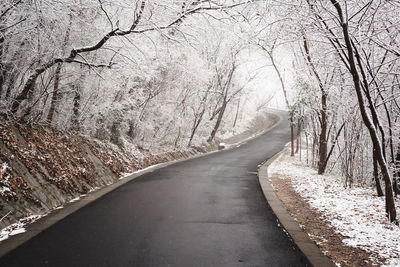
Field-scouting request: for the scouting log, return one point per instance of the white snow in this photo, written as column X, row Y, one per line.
column 94, row 189
column 354, row 212
column 75, row 199
column 4, row 189
column 5, row 179
column 17, row 231
column 18, row 227
column 4, row 167
column 124, row 175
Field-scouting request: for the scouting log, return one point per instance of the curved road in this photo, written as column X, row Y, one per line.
column 208, row 211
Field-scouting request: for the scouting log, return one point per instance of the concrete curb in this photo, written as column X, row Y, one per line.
column 299, row 236
column 54, row 216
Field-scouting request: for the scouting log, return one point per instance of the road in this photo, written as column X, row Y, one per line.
column 207, row 211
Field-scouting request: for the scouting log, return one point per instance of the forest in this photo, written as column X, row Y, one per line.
column 165, row 74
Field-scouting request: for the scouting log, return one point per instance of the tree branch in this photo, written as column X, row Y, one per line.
column 9, row 8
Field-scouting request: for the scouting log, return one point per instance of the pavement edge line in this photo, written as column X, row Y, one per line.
column 298, row 235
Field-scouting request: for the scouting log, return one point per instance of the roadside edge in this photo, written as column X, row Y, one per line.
column 57, row 215
column 298, row 235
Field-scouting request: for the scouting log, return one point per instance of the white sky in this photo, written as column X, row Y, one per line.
column 266, row 83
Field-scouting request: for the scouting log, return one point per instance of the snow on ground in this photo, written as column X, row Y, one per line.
column 124, row 175
column 18, row 227
column 356, row 212
column 4, row 178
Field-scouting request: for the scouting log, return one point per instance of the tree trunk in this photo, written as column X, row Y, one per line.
column 323, row 142
column 332, row 147
column 75, row 123
column 396, row 177
column 314, row 142
column 306, row 148
column 291, row 138
column 298, row 136
column 225, row 90
column 196, row 124
column 2, row 66
column 30, row 84
column 237, row 114
column 389, row 200
column 271, row 56
column 218, row 123
column 55, row 96
column 376, row 174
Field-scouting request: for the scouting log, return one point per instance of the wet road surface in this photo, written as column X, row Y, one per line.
column 208, row 211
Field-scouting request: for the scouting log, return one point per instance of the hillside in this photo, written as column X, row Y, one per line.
column 42, row 168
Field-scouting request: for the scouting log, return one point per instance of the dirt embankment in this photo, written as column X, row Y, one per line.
column 41, row 168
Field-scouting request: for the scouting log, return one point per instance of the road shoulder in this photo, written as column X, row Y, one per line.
column 300, row 238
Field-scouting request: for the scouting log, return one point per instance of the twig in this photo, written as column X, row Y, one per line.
column 2, row 218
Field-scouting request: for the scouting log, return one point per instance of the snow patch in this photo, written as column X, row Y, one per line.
column 4, row 167
column 4, row 189
column 78, row 198
column 124, row 175
column 18, row 227
column 356, row 213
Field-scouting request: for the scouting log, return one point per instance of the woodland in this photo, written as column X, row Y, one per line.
column 167, row 74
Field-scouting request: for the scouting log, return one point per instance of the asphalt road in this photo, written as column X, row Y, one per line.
column 208, row 211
